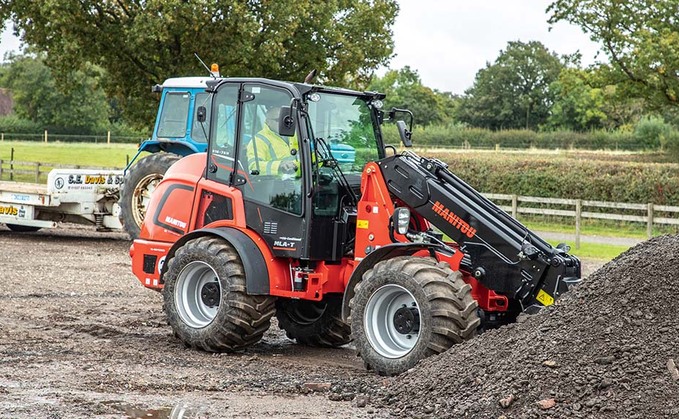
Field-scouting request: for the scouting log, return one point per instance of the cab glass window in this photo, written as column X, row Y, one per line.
column 174, row 115
column 198, row 130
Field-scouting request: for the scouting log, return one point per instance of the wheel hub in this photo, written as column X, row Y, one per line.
column 209, row 294
column 197, row 294
column 407, row 320
column 392, row 321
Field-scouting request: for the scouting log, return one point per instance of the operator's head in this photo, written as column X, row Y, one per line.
column 272, row 118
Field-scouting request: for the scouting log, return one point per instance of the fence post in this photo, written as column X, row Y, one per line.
column 578, row 217
column 515, row 206
column 37, row 172
column 649, row 221
column 45, row 135
column 2, row 137
column 11, row 164
column 1, row 162
column 108, row 138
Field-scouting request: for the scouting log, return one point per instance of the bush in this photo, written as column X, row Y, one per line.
column 652, row 132
column 648, row 136
column 554, row 177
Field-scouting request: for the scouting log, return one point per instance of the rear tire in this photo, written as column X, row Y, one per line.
column 408, row 308
column 205, row 298
column 135, row 193
column 314, row 323
column 22, row 228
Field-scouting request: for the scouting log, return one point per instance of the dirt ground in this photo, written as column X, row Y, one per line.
column 80, row 337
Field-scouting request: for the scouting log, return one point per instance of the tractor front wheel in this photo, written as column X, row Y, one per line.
column 141, row 180
column 205, row 298
column 408, row 308
column 314, row 323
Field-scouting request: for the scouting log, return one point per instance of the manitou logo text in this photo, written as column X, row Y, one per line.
column 453, row 219
column 175, row 222
column 11, row 210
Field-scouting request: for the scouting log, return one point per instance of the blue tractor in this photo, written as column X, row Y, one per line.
column 176, row 134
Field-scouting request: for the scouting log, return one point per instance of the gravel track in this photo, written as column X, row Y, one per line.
column 80, row 337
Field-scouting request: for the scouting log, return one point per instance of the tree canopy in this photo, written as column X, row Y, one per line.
column 404, row 89
column 514, row 91
column 142, row 42
column 81, row 108
column 641, row 39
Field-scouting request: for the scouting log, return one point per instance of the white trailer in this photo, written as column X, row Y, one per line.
column 81, row 196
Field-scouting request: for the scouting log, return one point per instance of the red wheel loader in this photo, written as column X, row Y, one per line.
column 340, row 237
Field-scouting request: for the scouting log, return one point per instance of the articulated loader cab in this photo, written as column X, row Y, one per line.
column 334, row 237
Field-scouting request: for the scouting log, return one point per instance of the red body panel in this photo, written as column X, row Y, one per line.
column 181, row 200
column 178, row 206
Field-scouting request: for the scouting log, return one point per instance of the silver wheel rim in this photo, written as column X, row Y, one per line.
column 191, row 305
column 378, row 321
column 142, row 196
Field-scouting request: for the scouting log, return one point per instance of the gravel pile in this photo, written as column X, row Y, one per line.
column 608, row 349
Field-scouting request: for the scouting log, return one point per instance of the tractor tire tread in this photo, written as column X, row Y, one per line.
column 241, row 320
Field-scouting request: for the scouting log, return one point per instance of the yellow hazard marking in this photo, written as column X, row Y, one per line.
column 544, row 298
column 361, row 223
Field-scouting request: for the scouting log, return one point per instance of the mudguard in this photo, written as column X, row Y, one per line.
column 385, row 252
column 256, row 271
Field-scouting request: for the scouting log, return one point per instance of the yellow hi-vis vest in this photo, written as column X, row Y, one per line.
column 268, row 150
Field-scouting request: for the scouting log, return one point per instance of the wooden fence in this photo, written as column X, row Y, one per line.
column 577, row 208
column 648, row 213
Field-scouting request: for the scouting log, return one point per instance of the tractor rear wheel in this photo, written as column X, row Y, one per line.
column 408, row 308
column 141, row 180
column 314, row 323
column 205, row 298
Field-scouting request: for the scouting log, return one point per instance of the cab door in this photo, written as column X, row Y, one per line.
column 272, row 183
column 247, row 153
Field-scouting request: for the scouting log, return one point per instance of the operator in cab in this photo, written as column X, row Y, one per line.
column 271, row 154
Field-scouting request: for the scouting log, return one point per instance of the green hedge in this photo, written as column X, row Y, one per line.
column 599, row 180
column 478, row 138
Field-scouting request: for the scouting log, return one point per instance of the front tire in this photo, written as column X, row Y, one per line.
column 135, row 193
column 314, row 323
column 205, row 298
column 408, row 308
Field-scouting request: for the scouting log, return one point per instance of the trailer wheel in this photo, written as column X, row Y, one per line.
column 18, row 228
column 205, row 298
column 408, row 308
column 314, row 323
column 135, row 193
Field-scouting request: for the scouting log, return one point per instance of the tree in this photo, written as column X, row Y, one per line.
column 513, row 92
column 404, row 89
column 141, row 42
column 640, row 38
column 577, row 105
column 81, row 105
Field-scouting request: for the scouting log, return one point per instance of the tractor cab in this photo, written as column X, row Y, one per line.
column 296, row 153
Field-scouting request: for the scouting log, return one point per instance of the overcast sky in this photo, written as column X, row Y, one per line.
column 448, row 41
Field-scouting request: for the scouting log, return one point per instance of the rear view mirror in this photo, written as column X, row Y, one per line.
column 286, row 122
column 404, row 133
column 201, row 114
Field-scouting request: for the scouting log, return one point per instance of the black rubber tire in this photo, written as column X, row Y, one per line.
column 447, row 311
column 22, row 229
column 148, row 171
column 314, row 323
column 240, row 319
